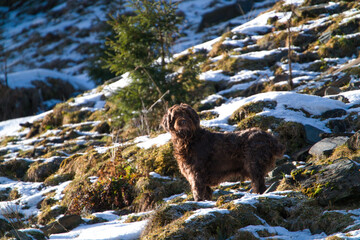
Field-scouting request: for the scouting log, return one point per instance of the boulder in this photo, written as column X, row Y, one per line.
column 333, row 113
column 335, row 183
column 63, row 224
column 339, row 125
column 326, row 146
column 279, row 171
column 312, row 134
column 332, row 90
column 354, row 141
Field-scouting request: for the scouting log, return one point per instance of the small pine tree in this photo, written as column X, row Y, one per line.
column 141, row 46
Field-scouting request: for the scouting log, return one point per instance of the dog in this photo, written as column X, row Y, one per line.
column 207, row 158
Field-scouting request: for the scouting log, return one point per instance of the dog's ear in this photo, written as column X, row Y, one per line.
column 192, row 113
column 167, row 118
column 165, row 122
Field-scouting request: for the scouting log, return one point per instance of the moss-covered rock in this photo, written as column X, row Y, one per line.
column 150, row 191
column 250, row 109
column 339, row 47
column 16, row 168
column 177, row 221
column 155, row 159
column 333, row 183
column 39, row 171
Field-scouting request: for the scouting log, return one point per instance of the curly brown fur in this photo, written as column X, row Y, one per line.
column 208, row 158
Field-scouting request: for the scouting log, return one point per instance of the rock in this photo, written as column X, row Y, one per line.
column 224, row 13
column 272, row 187
column 312, row 134
column 71, row 135
column 332, row 91
column 326, row 146
column 354, row 142
column 333, row 113
column 279, row 171
column 330, row 184
column 14, row 168
column 38, row 172
column 20, row 235
column 302, row 154
column 340, row 98
column 339, row 125
column 102, row 127
column 34, row 130
column 63, row 224
column 4, row 227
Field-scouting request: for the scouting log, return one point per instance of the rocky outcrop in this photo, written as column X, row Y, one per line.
column 334, row 183
column 326, row 146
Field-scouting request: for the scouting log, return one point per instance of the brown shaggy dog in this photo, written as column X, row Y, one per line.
column 208, row 158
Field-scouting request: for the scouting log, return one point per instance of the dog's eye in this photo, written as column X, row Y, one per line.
column 183, row 122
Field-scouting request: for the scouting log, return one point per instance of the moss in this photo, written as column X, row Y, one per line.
column 249, row 109
column 155, row 159
column 173, row 222
column 39, row 171
column 228, row 64
column 49, row 214
column 338, row 47
column 208, row 115
column 75, row 116
column 219, row 48
column 14, row 194
column 136, row 218
column 344, row 151
column 260, row 121
column 315, row 189
column 15, row 169
column 8, row 139
column 299, row 174
column 56, row 179
column 271, row 40
column 151, row 192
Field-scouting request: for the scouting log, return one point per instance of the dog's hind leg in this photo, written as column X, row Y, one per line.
column 258, row 183
column 208, row 193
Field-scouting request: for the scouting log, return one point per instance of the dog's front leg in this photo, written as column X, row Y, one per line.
column 198, row 188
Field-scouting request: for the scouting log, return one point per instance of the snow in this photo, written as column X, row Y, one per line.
column 206, row 211
column 282, row 233
column 146, row 142
column 213, row 75
column 24, row 79
column 12, row 127
column 111, row 230
column 285, row 102
column 156, row 175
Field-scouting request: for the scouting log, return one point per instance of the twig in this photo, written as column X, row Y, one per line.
column 159, row 100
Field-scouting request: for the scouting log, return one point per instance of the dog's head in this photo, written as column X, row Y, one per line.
column 181, row 120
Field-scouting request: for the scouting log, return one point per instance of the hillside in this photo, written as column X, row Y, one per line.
column 66, row 174
column 53, row 48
